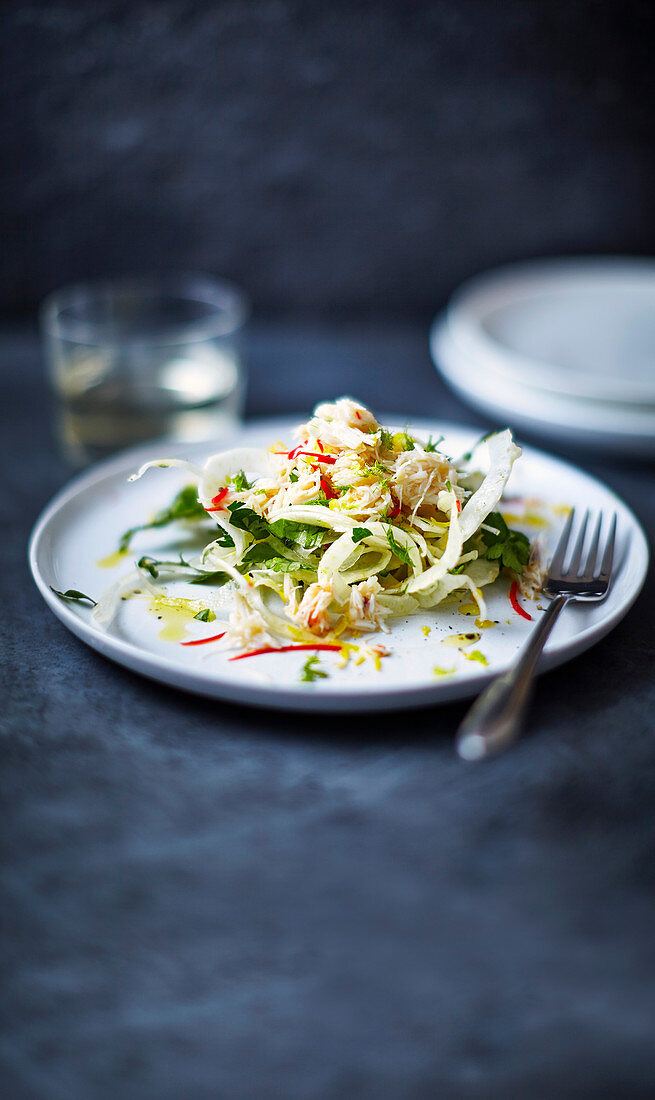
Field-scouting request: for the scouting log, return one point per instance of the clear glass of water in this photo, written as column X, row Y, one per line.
column 144, row 358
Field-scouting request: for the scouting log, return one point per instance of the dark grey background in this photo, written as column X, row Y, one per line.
column 334, row 158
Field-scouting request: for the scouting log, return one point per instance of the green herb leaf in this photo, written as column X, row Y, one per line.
column 246, row 519
column 185, row 505
column 150, row 566
column 216, row 578
column 224, row 539
column 510, row 547
column 399, row 551
column 377, row 470
column 434, row 446
column 240, row 482
column 283, row 565
column 293, row 476
column 307, row 535
column 386, row 440
column 311, row 671
column 259, row 552
column 205, row 616
column 408, row 442
column 73, row 596
column 359, row 533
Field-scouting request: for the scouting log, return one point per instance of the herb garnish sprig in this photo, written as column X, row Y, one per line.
column 310, row 671
column 185, row 505
column 512, row 548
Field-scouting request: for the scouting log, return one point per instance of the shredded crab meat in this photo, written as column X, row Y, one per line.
column 533, row 576
column 420, row 476
column 344, row 424
column 313, row 610
column 246, row 629
column 364, row 613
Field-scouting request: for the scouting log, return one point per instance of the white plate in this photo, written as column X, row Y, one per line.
column 579, row 327
column 84, row 522
column 609, row 426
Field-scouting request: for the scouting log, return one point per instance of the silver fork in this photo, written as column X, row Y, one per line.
column 496, row 718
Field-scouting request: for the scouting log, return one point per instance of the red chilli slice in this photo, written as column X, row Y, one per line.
column 513, row 599
column 328, row 459
column 217, row 500
column 283, row 649
column 330, row 493
column 203, row 641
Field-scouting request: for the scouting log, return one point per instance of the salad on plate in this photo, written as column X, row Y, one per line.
column 352, row 528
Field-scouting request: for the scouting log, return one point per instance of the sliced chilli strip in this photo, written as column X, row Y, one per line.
column 330, row 493
column 329, row 459
column 217, row 501
column 285, row 649
column 513, row 599
column 395, row 511
column 203, row 641
column 299, row 450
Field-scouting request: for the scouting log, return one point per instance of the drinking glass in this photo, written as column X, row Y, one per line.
column 144, row 358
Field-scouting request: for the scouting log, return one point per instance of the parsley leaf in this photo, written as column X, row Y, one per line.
column 307, row 535
column 511, row 548
column 205, row 616
column 224, row 539
column 359, row 533
column 246, row 519
column 283, row 565
column 215, row 577
column 240, row 482
column 293, row 476
column 185, row 505
column 73, row 596
column 150, row 566
column 261, row 551
column 400, row 551
column 311, row 671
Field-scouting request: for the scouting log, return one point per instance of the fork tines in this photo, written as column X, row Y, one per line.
column 589, row 570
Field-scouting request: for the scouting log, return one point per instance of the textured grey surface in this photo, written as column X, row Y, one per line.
column 205, row 901
column 330, row 157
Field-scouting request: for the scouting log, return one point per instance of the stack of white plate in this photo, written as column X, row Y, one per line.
column 561, row 348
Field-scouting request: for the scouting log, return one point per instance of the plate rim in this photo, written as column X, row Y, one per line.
column 153, row 666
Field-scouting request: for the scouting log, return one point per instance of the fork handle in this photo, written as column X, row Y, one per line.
column 496, row 718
